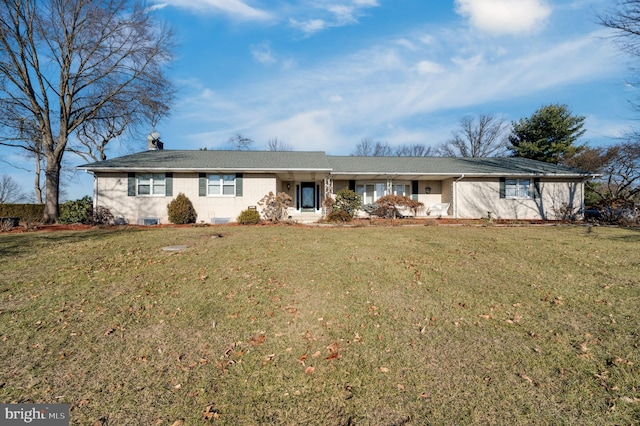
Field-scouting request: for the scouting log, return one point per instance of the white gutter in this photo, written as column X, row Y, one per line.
column 455, row 196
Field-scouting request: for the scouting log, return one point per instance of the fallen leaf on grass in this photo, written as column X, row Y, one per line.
column 334, row 351
column 268, row 358
column 309, row 370
column 210, row 413
column 316, row 354
column 257, row 341
column 527, row 378
column 516, row 318
column 384, row 369
column 334, row 355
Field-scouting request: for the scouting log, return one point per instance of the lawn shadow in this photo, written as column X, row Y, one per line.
column 20, row 244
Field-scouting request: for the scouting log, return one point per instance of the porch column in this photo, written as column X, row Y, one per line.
column 328, row 192
column 389, row 186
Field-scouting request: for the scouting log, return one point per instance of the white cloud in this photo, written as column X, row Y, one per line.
column 406, row 44
column 366, row 3
column 468, row 63
column 262, row 53
column 505, row 16
column 309, row 130
column 330, row 14
column 237, row 9
column 428, row 67
column 310, row 26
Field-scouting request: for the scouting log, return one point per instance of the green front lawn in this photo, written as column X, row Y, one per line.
column 328, row 326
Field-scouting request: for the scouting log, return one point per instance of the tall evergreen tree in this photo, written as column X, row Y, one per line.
column 550, row 134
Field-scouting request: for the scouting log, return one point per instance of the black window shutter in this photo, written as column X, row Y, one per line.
column 239, row 183
column 202, row 184
column 352, row 185
column 168, row 182
column 502, row 185
column 131, row 184
column 317, row 197
column 414, row 190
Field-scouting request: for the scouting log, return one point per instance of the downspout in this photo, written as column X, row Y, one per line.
column 455, row 196
column 95, row 190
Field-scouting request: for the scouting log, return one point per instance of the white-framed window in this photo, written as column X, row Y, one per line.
column 370, row 192
column 518, row 188
column 402, row 189
column 151, row 184
column 221, row 185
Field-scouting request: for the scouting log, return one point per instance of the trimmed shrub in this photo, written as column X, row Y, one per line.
column 102, row 216
column 347, row 201
column 181, row 210
column 78, row 211
column 339, row 216
column 31, row 212
column 249, row 217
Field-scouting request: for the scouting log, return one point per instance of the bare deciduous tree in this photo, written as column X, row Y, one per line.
column 277, row 145
column 415, row 150
column 240, row 143
column 10, row 191
column 67, row 63
column 481, row 137
column 369, row 148
column 621, row 172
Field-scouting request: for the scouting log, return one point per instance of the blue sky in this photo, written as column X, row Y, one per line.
column 325, row 74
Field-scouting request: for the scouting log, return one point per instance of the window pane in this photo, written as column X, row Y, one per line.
column 523, row 188
column 158, row 184
column 214, row 185
column 381, row 189
column 510, row 188
column 229, row 185
column 399, row 190
column 369, row 194
column 144, row 184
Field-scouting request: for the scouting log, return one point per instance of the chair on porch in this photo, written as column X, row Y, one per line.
column 440, row 209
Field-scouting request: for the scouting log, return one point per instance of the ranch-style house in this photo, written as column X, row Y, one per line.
column 137, row 188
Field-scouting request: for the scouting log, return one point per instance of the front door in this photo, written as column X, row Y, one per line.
column 308, row 196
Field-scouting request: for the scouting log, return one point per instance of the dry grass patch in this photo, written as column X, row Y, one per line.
column 293, row 325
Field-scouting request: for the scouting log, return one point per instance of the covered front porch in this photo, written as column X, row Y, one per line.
column 309, row 190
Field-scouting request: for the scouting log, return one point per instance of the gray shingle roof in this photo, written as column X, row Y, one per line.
column 214, row 160
column 181, row 160
column 447, row 166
